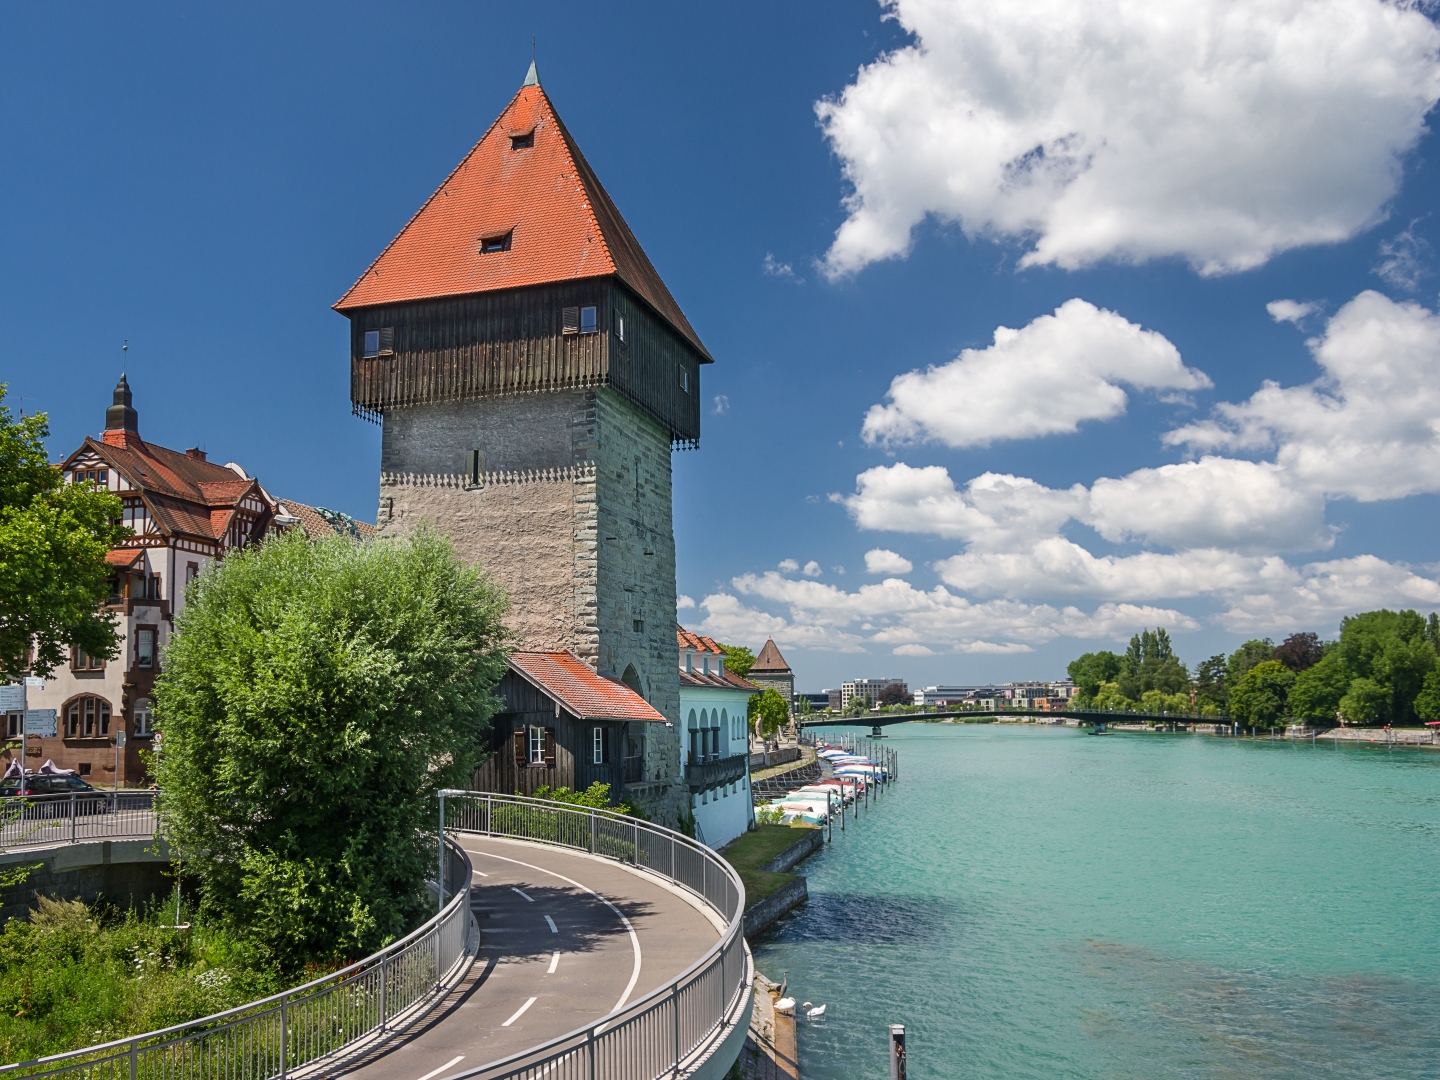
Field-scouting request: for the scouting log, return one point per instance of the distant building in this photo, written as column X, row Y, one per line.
column 934, row 696
column 832, row 700
column 868, row 689
column 716, row 742
column 184, row 513
column 771, row 670
column 818, row 701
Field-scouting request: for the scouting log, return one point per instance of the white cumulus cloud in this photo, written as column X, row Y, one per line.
column 1368, row 428
column 1215, row 131
column 683, row 602
column 789, row 565
column 811, row 569
column 884, row 561
column 1291, row 311
column 1043, row 379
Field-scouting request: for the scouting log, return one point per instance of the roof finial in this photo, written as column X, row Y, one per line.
column 532, row 77
column 124, row 357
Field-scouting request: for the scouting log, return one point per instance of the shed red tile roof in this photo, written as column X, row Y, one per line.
column 583, row 693
column 562, row 224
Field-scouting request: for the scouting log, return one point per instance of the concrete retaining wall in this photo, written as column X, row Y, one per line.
column 761, row 916
column 810, row 841
column 126, row 872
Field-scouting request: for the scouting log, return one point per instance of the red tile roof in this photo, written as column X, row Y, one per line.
column 563, row 226
column 697, row 677
column 124, row 558
column 584, row 694
column 770, row 661
column 187, row 495
column 317, row 522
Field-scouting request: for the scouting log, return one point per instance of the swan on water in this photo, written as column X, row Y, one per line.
column 814, row 1014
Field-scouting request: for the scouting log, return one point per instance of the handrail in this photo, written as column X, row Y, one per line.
column 78, row 816
column 653, row 1036
column 316, row 1019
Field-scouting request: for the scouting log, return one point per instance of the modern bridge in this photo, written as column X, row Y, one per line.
column 1099, row 718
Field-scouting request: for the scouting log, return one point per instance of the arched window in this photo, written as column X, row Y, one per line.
column 143, row 720
column 87, row 717
column 631, row 678
column 725, row 724
column 692, row 725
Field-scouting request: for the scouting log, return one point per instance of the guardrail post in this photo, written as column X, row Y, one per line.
column 675, row 1009
column 284, row 1023
column 674, row 866
column 384, row 993
column 133, row 1063
column 590, row 1046
column 636, row 856
column 592, row 832
column 72, row 817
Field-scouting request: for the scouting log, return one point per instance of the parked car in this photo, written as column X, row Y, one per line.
column 48, row 794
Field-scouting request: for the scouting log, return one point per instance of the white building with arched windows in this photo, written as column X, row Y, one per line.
column 715, row 742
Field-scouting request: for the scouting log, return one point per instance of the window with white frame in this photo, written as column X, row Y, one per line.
column 143, row 720
column 537, row 746
column 599, row 746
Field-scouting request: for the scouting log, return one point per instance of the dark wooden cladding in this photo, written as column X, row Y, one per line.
column 572, row 752
column 514, row 342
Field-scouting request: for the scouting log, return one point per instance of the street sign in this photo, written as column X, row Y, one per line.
column 12, row 698
column 40, row 722
column 34, row 682
column 120, row 740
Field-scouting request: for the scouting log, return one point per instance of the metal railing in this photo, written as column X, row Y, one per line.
column 76, row 817
column 280, row 1034
column 652, row 1037
column 700, row 775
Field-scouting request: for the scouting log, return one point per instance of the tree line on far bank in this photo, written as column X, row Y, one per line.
column 1384, row 668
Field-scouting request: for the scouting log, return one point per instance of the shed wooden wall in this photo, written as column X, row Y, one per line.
column 526, row 706
column 513, row 342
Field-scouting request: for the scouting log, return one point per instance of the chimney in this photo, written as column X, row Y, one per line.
column 195, row 453
column 122, row 423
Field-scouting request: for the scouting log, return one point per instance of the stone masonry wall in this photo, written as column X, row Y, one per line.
column 572, row 517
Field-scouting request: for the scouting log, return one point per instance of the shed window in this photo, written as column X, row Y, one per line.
column 619, row 327
column 599, row 746
column 587, row 320
column 685, row 380
column 522, row 142
column 537, row 746
column 493, row 244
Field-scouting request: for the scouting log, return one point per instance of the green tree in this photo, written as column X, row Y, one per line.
column 1254, row 651
column 738, row 659
column 1427, row 703
column 1366, row 702
column 1108, row 696
column 1317, row 691
column 1259, row 698
column 1089, row 671
column 1149, row 664
column 315, row 697
column 767, row 712
column 1210, row 688
column 53, row 541
column 1391, row 649
column 894, row 694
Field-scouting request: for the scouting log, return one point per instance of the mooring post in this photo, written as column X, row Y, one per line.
column 897, row 1052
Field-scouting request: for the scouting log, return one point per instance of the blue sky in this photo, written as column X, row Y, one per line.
column 1129, row 197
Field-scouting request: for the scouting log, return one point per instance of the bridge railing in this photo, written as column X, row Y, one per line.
column 655, row 1035
column 288, row 1031
column 75, row 818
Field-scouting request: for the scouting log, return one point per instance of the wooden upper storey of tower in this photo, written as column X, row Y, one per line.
column 520, row 274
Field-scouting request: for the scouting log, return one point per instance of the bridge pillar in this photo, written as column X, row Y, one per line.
column 877, row 732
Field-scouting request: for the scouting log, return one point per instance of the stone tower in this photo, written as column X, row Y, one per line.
column 532, row 374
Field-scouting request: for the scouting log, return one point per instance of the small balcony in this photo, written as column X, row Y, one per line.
column 703, row 775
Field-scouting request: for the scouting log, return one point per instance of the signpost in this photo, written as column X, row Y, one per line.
column 119, row 745
column 12, row 699
column 41, row 723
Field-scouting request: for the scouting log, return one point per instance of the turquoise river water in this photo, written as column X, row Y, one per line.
column 1039, row 902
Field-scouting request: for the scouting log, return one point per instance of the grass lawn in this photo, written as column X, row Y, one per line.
column 748, row 853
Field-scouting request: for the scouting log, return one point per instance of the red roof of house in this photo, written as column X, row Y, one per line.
column 562, row 224
column 697, row 677
column 584, row 694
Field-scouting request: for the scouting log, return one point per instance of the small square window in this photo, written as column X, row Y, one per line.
column 380, row 342
column 587, row 320
column 522, row 142
column 84, row 768
column 570, row 320
column 492, row 245
column 103, row 477
column 639, row 625
column 372, row 342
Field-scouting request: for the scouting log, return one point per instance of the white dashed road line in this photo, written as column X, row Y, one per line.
column 518, row 1013
column 551, row 921
column 444, row 1068
column 554, row 963
column 513, row 889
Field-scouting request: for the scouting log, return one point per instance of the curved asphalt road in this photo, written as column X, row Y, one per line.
column 565, row 939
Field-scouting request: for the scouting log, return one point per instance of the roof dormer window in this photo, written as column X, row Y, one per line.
column 522, row 142
column 492, row 245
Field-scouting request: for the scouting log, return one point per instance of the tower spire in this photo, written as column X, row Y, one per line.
column 532, row 77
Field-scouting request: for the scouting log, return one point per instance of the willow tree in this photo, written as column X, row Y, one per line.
column 315, row 697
